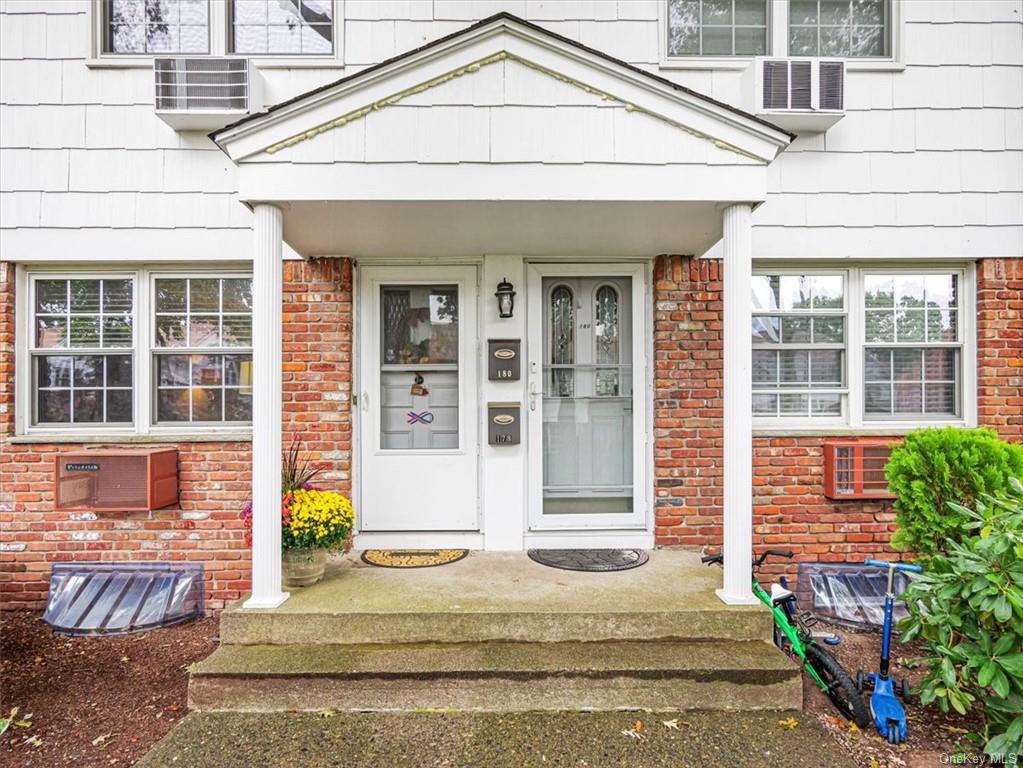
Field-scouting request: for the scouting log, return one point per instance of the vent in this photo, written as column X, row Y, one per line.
column 135, row 480
column 220, row 85
column 832, row 85
column 776, row 85
column 854, row 469
column 800, row 93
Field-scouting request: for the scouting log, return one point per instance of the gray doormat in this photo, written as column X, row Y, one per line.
column 590, row 559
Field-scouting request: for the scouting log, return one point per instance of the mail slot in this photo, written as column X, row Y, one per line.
column 503, row 420
column 504, row 359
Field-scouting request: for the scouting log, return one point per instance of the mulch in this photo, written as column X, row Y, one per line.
column 933, row 736
column 92, row 701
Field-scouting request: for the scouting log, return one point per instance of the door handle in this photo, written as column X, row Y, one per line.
column 364, row 397
column 534, row 392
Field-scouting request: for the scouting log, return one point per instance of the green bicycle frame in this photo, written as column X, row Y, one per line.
column 781, row 619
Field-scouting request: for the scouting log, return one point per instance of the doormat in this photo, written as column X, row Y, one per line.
column 412, row 558
column 590, row 559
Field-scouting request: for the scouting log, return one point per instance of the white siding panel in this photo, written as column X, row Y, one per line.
column 67, row 36
column 189, row 171
column 391, row 135
column 129, row 244
column 367, row 42
column 473, row 10
column 917, row 172
column 869, row 90
column 985, row 10
column 1007, row 43
column 637, row 9
column 30, row 81
column 23, row 37
column 782, row 211
column 1003, row 87
column 992, row 171
column 934, row 44
column 632, row 41
column 888, row 242
column 106, row 170
column 36, row 169
column 82, row 85
column 874, row 131
column 1013, row 129
column 368, row 10
column 822, row 172
column 350, row 142
column 43, row 127
column 409, row 35
column 48, row 7
column 130, row 127
column 78, row 210
column 556, row 10
column 19, row 209
column 1004, row 209
column 528, row 87
column 940, row 87
column 515, row 134
column 838, row 210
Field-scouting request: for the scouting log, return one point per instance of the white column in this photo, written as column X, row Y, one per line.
column 738, row 406
column 267, row 265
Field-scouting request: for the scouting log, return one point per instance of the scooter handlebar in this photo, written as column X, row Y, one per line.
column 897, row 566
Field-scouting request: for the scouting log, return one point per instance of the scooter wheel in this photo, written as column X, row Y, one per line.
column 860, row 681
column 893, row 733
column 903, row 689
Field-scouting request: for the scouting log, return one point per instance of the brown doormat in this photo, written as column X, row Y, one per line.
column 412, row 558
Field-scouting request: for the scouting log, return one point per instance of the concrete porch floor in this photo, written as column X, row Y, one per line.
column 501, row 596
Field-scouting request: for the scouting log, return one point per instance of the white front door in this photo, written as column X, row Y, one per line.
column 418, row 399
column 587, row 398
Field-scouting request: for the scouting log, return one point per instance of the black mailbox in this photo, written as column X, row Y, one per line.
column 504, row 423
column 503, row 360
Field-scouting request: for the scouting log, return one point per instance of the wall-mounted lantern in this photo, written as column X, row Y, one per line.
column 505, row 298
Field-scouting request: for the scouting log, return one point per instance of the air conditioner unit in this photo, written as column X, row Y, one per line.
column 804, row 95
column 201, row 94
column 115, row 480
column 854, row 468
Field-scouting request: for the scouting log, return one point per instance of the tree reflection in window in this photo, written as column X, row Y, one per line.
column 562, row 341
column 605, row 335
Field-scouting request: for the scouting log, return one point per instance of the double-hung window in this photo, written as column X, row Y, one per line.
column 845, row 28
column 136, row 351
column 860, row 347
column 717, row 27
column 131, row 30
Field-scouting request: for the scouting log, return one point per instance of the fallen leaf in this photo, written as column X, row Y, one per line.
column 35, row 741
column 100, row 740
column 125, row 659
column 672, row 724
column 788, row 724
column 638, row 727
column 327, row 713
column 874, row 763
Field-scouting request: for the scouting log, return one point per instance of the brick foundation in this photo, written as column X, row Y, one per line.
column 214, row 476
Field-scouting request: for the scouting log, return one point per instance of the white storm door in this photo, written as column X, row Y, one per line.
column 418, row 403
column 587, row 398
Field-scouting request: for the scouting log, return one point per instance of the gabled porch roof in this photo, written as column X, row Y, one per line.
column 531, row 142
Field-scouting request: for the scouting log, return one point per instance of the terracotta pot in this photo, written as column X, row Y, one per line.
column 303, row 567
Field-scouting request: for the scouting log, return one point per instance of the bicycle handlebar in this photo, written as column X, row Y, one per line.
column 897, row 566
column 720, row 558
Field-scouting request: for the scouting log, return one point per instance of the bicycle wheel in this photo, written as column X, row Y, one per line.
column 841, row 689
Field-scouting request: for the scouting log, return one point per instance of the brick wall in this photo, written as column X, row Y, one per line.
column 214, row 476
column 1000, row 345
column 789, row 507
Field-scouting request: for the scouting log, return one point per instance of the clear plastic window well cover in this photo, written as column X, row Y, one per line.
column 118, row 598
column 848, row 595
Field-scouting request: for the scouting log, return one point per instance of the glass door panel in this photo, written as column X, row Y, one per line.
column 587, row 397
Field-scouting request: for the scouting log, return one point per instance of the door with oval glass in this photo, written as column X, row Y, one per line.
column 418, row 403
column 585, row 416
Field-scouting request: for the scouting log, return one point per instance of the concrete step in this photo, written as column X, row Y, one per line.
column 499, row 677
column 279, row 627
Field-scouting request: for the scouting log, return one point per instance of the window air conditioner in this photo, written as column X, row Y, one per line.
column 804, row 95
column 201, row 94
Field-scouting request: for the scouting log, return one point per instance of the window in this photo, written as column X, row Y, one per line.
column 799, row 345
column 282, row 26
column 911, row 361
column 156, row 26
column 136, row 350
column 82, row 351
column 717, row 27
column 196, row 318
column 846, row 28
column 860, row 346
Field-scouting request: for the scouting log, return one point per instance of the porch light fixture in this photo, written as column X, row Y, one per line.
column 505, row 298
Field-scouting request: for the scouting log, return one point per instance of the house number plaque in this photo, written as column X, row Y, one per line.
column 503, row 360
column 503, row 423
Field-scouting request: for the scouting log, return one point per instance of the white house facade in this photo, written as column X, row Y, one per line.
column 518, row 274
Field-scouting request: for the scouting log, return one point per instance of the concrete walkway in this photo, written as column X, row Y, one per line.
column 528, row 740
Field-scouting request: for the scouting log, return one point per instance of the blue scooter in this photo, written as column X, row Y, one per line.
column 889, row 716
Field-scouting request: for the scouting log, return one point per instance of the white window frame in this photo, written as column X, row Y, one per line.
column 854, row 419
column 143, row 359
column 778, row 43
column 830, row 420
column 219, row 44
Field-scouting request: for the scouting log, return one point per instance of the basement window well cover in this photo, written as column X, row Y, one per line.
column 118, row 598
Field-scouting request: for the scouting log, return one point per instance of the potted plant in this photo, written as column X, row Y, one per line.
column 314, row 521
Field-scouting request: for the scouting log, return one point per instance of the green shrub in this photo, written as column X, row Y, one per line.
column 933, row 467
column 968, row 608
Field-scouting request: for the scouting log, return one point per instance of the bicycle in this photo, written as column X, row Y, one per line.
column 793, row 635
